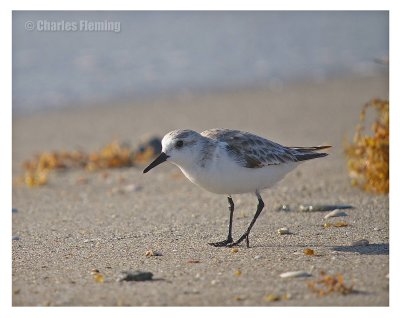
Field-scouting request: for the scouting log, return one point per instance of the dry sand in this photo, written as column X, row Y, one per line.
column 66, row 229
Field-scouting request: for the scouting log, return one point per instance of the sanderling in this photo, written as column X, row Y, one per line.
column 230, row 162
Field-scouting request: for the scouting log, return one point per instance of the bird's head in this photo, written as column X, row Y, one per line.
column 178, row 147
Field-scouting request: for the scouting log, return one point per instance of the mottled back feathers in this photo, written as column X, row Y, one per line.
column 252, row 151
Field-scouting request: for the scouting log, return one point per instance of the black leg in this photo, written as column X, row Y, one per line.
column 260, row 206
column 229, row 238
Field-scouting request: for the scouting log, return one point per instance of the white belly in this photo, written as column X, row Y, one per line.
column 226, row 177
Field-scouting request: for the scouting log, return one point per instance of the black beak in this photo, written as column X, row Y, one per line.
column 160, row 159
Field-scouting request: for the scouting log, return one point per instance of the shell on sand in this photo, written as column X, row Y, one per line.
column 335, row 213
column 295, row 274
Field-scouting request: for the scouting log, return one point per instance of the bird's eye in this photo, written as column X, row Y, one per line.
column 179, row 144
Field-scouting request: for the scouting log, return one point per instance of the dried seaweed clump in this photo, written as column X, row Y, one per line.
column 328, row 284
column 113, row 155
column 368, row 155
column 38, row 168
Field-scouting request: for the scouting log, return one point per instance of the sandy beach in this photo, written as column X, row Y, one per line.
column 68, row 228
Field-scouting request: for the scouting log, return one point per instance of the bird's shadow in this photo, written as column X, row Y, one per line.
column 371, row 249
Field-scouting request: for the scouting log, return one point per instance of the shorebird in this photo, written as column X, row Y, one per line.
column 230, row 162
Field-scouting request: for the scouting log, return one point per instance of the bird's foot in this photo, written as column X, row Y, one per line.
column 226, row 242
column 244, row 236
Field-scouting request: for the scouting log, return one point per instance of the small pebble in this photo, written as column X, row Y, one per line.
column 309, row 252
column 134, row 276
column 131, row 188
column 14, row 210
column 335, row 213
column 283, row 208
column 99, row 278
column 234, row 250
column 152, row 253
column 275, row 297
column 15, row 238
column 257, row 257
column 295, row 274
column 193, row 261
column 238, row 272
column 91, row 240
column 272, row 297
column 337, row 224
column 305, row 208
column 283, row 231
column 362, row 242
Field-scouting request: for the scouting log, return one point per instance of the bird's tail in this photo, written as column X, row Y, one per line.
column 307, row 153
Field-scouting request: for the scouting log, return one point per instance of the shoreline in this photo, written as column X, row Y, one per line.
column 271, row 86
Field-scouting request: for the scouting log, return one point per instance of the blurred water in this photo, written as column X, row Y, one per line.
column 173, row 52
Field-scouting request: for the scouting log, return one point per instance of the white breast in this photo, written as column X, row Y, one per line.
column 223, row 175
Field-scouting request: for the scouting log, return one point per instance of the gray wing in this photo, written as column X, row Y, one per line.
column 251, row 151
